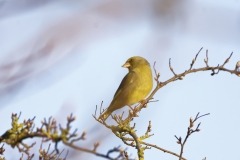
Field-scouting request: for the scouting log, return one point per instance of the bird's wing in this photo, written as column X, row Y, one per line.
column 126, row 82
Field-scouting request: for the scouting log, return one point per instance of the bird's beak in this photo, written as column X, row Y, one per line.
column 126, row 65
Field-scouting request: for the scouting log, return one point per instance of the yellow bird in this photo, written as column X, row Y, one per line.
column 135, row 86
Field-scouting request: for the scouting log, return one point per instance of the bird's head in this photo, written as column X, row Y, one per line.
column 135, row 62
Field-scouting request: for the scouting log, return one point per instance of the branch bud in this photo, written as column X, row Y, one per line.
column 191, row 123
column 132, row 144
column 238, row 64
column 238, row 67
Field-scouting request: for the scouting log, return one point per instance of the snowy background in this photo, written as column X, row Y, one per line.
column 62, row 57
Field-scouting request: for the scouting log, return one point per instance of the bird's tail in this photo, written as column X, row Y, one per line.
column 105, row 115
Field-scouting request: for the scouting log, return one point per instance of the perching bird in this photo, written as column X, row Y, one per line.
column 135, row 86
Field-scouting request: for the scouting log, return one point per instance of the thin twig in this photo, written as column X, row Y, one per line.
column 162, row 149
column 189, row 132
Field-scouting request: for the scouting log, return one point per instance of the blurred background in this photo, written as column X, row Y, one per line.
column 62, row 57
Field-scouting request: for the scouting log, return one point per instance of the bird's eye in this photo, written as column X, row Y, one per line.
column 131, row 60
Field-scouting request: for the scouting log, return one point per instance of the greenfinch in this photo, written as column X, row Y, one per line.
column 135, row 86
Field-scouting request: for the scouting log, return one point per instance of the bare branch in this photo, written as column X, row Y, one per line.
column 193, row 61
column 189, row 132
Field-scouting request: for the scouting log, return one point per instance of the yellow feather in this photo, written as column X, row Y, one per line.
column 135, row 86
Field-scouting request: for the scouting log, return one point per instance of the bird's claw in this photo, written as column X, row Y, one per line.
column 144, row 101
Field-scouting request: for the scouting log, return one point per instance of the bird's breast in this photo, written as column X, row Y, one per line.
column 141, row 86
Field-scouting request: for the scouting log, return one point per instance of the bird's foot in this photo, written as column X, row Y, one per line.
column 144, row 101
